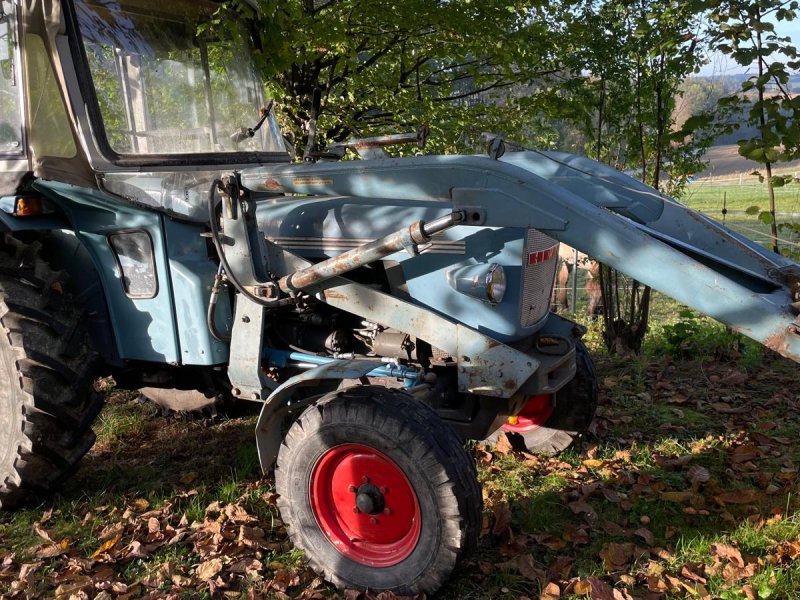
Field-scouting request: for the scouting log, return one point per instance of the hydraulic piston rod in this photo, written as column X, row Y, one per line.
column 408, row 238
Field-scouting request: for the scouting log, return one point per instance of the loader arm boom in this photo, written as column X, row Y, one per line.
column 613, row 218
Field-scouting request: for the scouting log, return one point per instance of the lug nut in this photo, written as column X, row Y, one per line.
column 353, row 489
column 373, row 520
column 387, row 511
column 365, row 479
column 356, row 510
column 383, row 489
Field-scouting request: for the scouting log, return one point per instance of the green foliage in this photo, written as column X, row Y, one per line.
column 461, row 67
column 695, row 336
column 745, row 31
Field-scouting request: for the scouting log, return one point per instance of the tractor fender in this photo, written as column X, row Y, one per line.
column 280, row 401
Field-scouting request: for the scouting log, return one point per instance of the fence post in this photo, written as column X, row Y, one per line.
column 575, row 281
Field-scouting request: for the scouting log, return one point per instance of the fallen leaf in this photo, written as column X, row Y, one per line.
column 550, row 592
column 106, row 546
column 582, row 588
column 615, row 556
column 528, row 569
column 727, row 552
column 676, row 496
column 699, row 475
column 560, row 567
column 140, row 504
column 646, row 535
column 209, row 569
column 744, row 496
column 502, row 517
column 503, row 445
column 53, row 550
column 581, row 506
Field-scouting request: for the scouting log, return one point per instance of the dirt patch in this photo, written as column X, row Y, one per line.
column 724, row 162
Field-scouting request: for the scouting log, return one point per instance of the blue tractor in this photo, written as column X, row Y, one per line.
column 391, row 307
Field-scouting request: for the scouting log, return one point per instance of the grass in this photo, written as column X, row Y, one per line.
column 655, row 408
column 711, row 197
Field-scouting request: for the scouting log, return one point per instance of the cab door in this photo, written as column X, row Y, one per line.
column 14, row 163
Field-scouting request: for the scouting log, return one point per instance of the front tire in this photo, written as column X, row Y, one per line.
column 378, row 492
column 47, row 405
column 547, row 428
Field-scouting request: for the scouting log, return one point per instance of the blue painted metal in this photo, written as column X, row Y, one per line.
column 529, row 190
column 192, row 274
column 283, row 358
column 245, row 370
column 325, row 227
column 9, row 222
column 485, row 366
column 268, row 427
column 146, row 327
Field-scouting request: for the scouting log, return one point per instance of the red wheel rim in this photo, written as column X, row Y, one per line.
column 532, row 416
column 365, row 505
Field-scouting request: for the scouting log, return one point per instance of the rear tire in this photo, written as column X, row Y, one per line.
column 571, row 416
column 47, row 404
column 391, row 457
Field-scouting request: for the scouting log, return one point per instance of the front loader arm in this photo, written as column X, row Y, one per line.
column 611, row 217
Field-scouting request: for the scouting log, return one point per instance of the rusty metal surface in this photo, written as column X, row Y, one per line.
column 486, row 357
column 407, row 238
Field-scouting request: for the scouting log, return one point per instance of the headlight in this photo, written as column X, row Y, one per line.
column 134, row 252
column 484, row 282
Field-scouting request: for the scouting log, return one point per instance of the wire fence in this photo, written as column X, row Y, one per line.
column 726, row 201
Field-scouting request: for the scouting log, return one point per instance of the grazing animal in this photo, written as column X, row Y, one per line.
column 567, row 263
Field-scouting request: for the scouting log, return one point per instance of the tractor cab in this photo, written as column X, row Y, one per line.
column 126, row 96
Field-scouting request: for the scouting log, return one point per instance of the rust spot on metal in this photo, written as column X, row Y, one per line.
column 272, row 184
column 510, row 384
column 334, row 295
column 777, row 342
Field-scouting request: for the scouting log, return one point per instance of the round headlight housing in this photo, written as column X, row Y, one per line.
column 486, row 282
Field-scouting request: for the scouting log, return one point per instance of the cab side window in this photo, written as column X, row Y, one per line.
column 10, row 85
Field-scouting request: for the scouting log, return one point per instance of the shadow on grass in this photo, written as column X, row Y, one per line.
column 630, row 480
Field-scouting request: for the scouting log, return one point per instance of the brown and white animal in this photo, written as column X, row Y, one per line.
column 567, row 263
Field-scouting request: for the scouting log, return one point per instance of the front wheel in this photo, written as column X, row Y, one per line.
column 548, row 424
column 378, row 492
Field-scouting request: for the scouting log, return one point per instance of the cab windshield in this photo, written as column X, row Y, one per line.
column 167, row 82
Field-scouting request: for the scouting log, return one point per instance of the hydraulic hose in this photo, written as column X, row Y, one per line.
column 212, row 304
column 215, row 238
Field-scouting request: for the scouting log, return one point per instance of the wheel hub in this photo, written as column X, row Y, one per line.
column 369, row 499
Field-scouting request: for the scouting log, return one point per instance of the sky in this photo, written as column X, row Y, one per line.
column 719, row 65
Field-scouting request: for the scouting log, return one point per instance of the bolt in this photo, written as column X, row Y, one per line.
column 353, row 489
column 383, row 489
column 254, row 396
column 365, row 479
column 236, row 391
column 387, row 511
column 356, row 510
column 373, row 520
column 245, row 319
